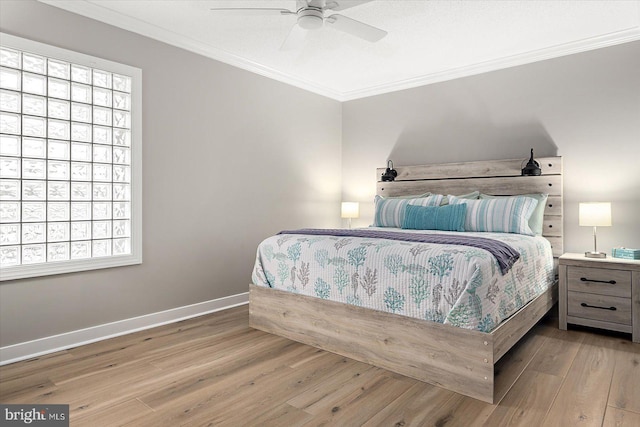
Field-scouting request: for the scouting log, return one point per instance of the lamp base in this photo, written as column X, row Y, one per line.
column 595, row 254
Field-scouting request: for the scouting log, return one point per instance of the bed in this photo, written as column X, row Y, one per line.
column 453, row 342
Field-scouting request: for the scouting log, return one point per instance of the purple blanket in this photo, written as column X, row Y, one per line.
column 504, row 254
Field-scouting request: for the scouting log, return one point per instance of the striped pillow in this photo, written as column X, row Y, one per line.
column 390, row 212
column 504, row 215
column 444, row 218
column 537, row 217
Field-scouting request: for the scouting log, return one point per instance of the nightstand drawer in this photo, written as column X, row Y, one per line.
column 599, row 281
column 600, row 307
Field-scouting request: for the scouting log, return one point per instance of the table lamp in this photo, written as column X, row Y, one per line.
column 350, row 210
column 595, row 215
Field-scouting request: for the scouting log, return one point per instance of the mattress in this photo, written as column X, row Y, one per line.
column 446, row 283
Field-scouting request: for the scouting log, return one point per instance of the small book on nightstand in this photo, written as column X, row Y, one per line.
column 625, row 253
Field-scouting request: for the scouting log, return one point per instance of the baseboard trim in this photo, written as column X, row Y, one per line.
column 30, row 349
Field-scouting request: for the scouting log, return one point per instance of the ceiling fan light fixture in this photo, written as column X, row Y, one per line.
column 311, row 16
column 310, row 19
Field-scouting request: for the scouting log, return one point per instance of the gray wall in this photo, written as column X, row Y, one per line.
column 226, row 149
column 229, row 158
column 584, row 107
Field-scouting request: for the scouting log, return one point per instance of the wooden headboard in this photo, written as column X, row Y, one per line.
column 496, row 177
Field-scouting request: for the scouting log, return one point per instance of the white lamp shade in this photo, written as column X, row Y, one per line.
column 350, row 210
column 595, row 214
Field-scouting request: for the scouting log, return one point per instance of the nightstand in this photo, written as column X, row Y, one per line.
column 600, row 292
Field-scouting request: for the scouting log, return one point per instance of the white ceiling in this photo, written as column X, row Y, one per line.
column 427, row 41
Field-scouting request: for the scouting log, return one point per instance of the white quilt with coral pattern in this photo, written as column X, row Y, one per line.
column 452, row 284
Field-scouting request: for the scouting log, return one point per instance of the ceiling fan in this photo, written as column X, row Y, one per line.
column 311, row 15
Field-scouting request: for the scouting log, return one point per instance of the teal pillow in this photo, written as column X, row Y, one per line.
column 390, row 212
column 445, row 218
column 500, row 215
column 537, row 217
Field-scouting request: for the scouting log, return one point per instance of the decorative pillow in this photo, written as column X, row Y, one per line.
column 390, row 212
column 445, row 218
column 504, row 215
column 414, row 196
column 474, row 195
column 537, row 217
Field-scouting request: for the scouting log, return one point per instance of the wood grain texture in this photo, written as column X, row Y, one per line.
column 635, row 305
column 457, row 359
column 509, row 333
column 610, row 263
column 493, row 168
column 354, row 408
column 594, row 323
column 503, row 186
column 281, row 415
column 562, row 295
column 554, row 205
column 125, row 412
column 236, row 370
column 454, row 358
column 527, row 405
column 583, row 397
column 511, row 366
column 619, row 418
column 412, row 407
column 599, row 307
column 590, row 280
column 625, row 385
column 552, row 226
column 334, row 388
column 267, row 380
column 460, row 411
column 557, row 245
column 625, row 272
column 557, row 352
column 254, row 400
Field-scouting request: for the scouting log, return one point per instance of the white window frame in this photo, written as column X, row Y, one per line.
column 50, row 268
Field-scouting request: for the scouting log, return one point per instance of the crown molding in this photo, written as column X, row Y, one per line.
column 584, row 45
column 102, row 14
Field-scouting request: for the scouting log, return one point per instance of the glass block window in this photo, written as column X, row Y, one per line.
column 69, row 161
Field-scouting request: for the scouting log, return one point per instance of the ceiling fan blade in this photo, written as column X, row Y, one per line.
column 251, row 11
column 355, row 28
column 295, row 39
column 344, row 4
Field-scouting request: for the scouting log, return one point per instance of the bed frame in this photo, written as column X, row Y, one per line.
column 457, row 359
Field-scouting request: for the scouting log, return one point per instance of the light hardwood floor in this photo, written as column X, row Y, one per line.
column 216, row 371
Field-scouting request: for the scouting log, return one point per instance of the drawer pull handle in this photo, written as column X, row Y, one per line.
column 584, row 304
column 611, row 282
